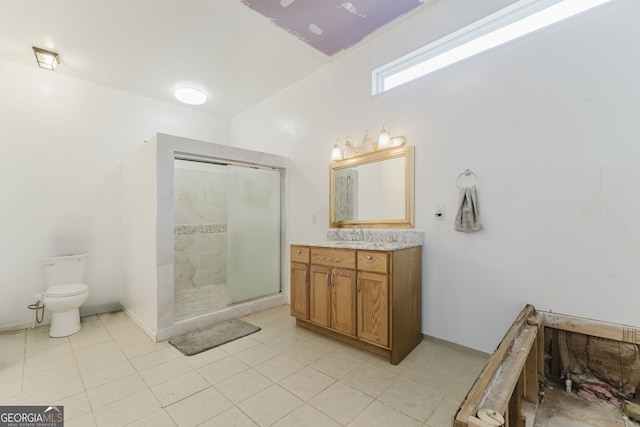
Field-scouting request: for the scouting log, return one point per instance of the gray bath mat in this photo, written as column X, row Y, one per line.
column 195, row 342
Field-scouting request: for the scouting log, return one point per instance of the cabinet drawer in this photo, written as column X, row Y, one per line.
column 373, row 261
column 300, row 254
column 345, row 258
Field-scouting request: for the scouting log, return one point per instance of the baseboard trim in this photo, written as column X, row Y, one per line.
column 456, row 346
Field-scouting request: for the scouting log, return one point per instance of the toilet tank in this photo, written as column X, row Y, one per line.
column 59, row 270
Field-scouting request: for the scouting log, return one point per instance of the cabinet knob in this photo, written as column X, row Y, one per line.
column 369, row 257
column 298, row 251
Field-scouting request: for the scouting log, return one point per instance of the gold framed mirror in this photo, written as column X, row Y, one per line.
column 373, row 190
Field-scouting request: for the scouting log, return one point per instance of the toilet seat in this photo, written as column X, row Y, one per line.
column 66, row 290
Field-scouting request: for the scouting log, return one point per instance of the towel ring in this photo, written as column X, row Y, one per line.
column 463, row 175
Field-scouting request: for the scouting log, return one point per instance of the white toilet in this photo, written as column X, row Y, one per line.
column 66, row 292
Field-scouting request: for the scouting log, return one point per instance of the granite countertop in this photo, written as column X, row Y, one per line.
column 362, row 245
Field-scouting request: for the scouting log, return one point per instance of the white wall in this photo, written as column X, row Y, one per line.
column 63, row 141
column 549, row 125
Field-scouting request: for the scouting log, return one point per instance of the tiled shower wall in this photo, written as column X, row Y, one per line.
column 200, row 238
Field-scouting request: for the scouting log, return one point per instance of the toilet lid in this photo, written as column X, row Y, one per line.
column 67, row 290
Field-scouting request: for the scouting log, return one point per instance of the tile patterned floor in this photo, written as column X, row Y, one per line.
column 111, row 374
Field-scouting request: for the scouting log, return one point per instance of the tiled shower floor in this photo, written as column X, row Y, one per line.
column 111, row 374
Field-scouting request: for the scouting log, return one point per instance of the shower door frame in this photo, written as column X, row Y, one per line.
column 169, row 148
column 228, row 282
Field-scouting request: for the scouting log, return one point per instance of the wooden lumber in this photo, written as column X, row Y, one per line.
column 631, row 410
column 594, row 328
column 499, row 393
column 470, row 406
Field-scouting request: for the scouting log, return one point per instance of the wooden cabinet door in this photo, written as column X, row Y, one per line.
column 343, row 301
column 300, row 290
column 320, row 295
column 373, row 308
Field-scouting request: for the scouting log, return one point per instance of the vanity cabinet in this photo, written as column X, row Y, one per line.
column 368, row 298
column 300, row 282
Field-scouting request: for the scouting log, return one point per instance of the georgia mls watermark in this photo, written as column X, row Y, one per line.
column 31, row 416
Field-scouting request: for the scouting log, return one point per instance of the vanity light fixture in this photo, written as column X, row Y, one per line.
column 336, row 151
column 46, row 59
column 367, row 145
column 384, row 141
column 349, row 149
column 190, row 96
column 398, row 141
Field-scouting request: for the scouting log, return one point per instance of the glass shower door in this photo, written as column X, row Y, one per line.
column 253, row 227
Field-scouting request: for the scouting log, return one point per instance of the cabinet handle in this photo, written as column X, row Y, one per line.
column 328, row 282
column 358, row 285
column 306, row 274
column 298, row 251
column 332, row 276
column 369, row 257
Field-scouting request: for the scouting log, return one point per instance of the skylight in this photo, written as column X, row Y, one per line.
column 512, row 22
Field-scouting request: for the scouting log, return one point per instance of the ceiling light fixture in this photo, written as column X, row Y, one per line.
column 191, row 96
column 46, row 59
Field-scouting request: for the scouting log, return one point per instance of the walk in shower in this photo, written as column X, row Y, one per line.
column 226, row 235
column 203, row 234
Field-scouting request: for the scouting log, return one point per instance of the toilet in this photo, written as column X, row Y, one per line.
column 66, row 292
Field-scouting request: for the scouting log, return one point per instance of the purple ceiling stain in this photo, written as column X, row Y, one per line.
column 332, row 25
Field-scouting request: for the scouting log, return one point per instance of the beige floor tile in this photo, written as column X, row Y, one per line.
column 431, row 377
column 116, row 320
column 460, row 386
column 335, row 365
column 243, row 385
column 369, row 380
column 53, row 392
column 89, row 337
column 97, row 361
column 107, row 374
column 166, row 371
column 341, row 402
column 269, row 405
column 111, row 392
column 320, row 381
column 308, row 352
column 279, row 367
column 134, row 342
column 157, row 419
column 10, row 392
column 12, row 342
column 379, row 415
column 306, row 416
column 155, row 358
column 413, row 399
column 127, row 410
column 179, row 388
column 85, row 420
column 444, row 413
column 257, row 354
column 306, row 383
column 199, row 407
column 35, row 366
column 222, row 369
column 239, row 345
column 232, row 417
column 285, row 342
column 75, row 406
column 206, row 357
column 33, row 380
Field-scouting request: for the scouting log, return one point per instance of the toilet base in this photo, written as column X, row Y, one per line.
column 64, row 323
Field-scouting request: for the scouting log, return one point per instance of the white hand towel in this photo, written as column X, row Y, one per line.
column 468, row 216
